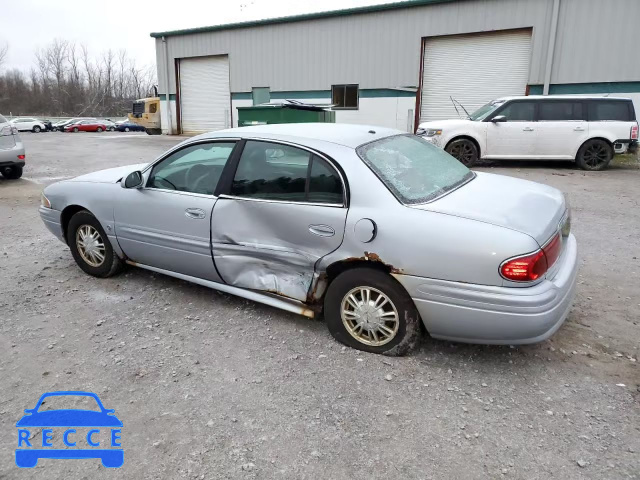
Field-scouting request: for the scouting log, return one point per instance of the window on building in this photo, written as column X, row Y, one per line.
column 603, row 110
column 261, row 95
column 272, row 171
column 519, row 112
column 345, row 96
column 558, row 111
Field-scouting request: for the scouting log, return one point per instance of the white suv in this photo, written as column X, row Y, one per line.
column 589, row 130
column 28, row 125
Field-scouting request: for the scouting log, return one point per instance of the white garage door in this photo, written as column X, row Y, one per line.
column 205, row 102
column 473, row 69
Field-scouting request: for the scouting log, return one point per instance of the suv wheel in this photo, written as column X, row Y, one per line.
column 12, row 173
column 463, row 150
column 36, row 129
column 90, row 246
column 594, row 155
column 369, row 310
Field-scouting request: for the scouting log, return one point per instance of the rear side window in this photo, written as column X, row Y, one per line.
column 272, row 171
column 558, row 111
column 602, row 110
column 519, row 112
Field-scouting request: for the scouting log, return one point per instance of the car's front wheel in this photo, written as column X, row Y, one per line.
column 90, row 246
column 594, row 155
column 463, row 150
column 368, row 309
column 76, row 129
column 12, row 173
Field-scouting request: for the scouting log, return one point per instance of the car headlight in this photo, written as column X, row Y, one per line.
column 432, row 132
column 44, row 201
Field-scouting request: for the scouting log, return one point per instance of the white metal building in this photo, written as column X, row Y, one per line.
column 397, row 64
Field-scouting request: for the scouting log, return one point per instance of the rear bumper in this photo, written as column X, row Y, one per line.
column 51, row 220
column 9, row 157
column 496, row 315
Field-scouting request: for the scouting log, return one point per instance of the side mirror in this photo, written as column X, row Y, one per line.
column 499, row 119
column 133, row 180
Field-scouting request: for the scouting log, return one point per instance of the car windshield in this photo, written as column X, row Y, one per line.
column 484, row 111
column 413, row 169
column 69, row 402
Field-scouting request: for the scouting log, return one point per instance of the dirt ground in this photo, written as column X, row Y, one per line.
column 212, row 386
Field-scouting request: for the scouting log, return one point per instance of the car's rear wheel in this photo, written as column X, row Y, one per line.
column 90, row 246
column 12, row 173
column 463, row 150
column 36, row 129
column 594, row 155
column 369, row 310
column 99, row 129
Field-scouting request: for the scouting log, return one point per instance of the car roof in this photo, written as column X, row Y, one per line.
column 561, row 97
column 348, row 135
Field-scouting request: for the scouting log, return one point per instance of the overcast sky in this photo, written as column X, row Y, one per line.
column 29, row 24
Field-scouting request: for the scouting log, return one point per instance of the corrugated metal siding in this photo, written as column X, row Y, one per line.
column 382, row 49
column 597, row 41
column 375, row 50
column 473, row 69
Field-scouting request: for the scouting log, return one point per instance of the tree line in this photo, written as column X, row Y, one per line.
column 66, row 80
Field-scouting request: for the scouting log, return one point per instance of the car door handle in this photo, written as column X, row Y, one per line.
column 322, row 230
column 527, row 129
column 578, row 129
column 194, row 213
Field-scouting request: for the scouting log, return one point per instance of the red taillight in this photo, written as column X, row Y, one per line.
column 20, row 157
column 634, row 132
column 528, row 268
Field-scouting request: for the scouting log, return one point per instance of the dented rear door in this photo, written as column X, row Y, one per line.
column 285, row 209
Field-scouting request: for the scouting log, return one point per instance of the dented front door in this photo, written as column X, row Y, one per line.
column 285, row 210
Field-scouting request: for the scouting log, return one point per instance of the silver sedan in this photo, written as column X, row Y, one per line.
column 377, row 229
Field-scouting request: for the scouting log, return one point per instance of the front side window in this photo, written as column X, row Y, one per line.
column 486, row 110
column 519, row 112
column 195, row 169
column 550, row 111
column 603, row 110
column 153, row 107
column 344, row 96
column 413, row 169
column 271, row 171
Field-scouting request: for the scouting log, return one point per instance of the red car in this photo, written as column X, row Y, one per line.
column 86, row 126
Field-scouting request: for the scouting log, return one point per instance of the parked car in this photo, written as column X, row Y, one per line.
column 378, row 228
column 12, row 155
column 128, row 126
column 110, row 125
column 588, row 130
column 86, row 126
column 48, row 126
column 60, row 126
column 28, row 124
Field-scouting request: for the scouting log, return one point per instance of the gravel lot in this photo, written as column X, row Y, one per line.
column 212, row 386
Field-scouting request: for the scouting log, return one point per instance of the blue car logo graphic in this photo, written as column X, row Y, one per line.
column 27, row 455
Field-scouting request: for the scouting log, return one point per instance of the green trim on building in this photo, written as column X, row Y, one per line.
column 163, row 96
column 326, row 94
column 585, row 88
column 299, row 18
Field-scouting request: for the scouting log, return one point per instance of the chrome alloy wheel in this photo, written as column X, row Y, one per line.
column 369, row 316
column 90, row 245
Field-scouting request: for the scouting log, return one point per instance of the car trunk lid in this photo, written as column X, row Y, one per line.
column 528, row 207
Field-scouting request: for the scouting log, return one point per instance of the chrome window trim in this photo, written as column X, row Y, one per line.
column 180, row 192
column 308, row 149
column 293, row 202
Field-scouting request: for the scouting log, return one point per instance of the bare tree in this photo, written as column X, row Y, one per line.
column 4, row 50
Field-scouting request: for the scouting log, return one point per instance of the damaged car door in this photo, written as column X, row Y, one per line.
column 282, row 210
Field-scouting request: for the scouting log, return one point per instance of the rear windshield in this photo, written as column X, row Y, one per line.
column 413, row 169
column 2, row 119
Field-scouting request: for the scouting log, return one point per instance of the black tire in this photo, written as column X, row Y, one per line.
column 111, row 263
column 112, row 129
column 36, row 129
column 12, row 173
column 408, row 330
column 76, row 129
column 463, row 150
column 594, row 155
column 99, row 130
